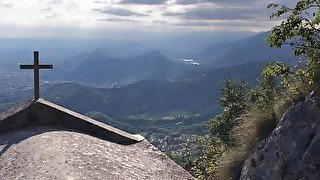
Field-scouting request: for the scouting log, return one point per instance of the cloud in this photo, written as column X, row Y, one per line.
column 53, row 16
column 234, row 24
column 193, row 15
column 6, row 4
column 148, row 2
column 118, row 20
column 186, row 2
column 236, row 3
column 195, row 23
column 212, row 13
column 160, row 22
column 100, row 2
column 55, row 2
column 119, row 12
column 46, row 9
column 220, row 2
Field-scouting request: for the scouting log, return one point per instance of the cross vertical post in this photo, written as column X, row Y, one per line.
column 36, row 75
column 36, row 67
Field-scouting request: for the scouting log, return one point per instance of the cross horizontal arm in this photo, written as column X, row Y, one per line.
column 41, row 66
column 46, row 66
column 26, row 67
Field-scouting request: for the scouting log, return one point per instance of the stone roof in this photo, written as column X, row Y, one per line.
column 41, row 140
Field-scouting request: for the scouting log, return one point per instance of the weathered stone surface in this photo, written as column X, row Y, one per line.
column 41, row 140
column 50, row 153
column 44, row 113
column 293, row 149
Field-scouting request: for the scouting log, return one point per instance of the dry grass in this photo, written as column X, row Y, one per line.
column 253, row 128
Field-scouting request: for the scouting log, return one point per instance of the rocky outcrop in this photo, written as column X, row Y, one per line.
column 41, row 140
column 54, row 153
column 293, row 149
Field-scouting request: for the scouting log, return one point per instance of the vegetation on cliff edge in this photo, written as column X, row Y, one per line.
column 250, row 113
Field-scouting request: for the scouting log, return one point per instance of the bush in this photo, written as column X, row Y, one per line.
column 233, row 103
column 202, row 160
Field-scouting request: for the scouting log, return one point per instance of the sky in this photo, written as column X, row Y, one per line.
column 125, row 19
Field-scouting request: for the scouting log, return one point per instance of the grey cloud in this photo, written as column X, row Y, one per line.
column 117, row 20
column 232, row 1
column 47, row 9
column 227, row 9
column 53, row 16
column 237, row 3
column 55, row 2
column 212, row 13
column 173, row 14
column 118, row 12
column 226, row 2
column 194, row 24
column 160, row 22
column 250, row 2
column 100, row 2
column 186, row 2
column 148, row 2
column 227, row 23
column 6, row 4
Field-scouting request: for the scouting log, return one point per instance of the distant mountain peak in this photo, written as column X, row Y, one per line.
column 152, row 54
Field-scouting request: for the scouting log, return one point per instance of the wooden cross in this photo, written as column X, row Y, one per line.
column 36, row 66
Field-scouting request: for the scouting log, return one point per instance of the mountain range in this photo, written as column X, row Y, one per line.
column 251, row 49
column 97, row 67
column 197, row 94
column 151, row 85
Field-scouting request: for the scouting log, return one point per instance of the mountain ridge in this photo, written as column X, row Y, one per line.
column 250, row 49
column 96, row 67
column 197, row 94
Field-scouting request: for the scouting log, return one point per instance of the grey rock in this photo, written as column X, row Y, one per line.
column 41, row 140
column 293, row 149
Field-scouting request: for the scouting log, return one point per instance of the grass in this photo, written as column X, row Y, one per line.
column 253, row 127
column 248, row 134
